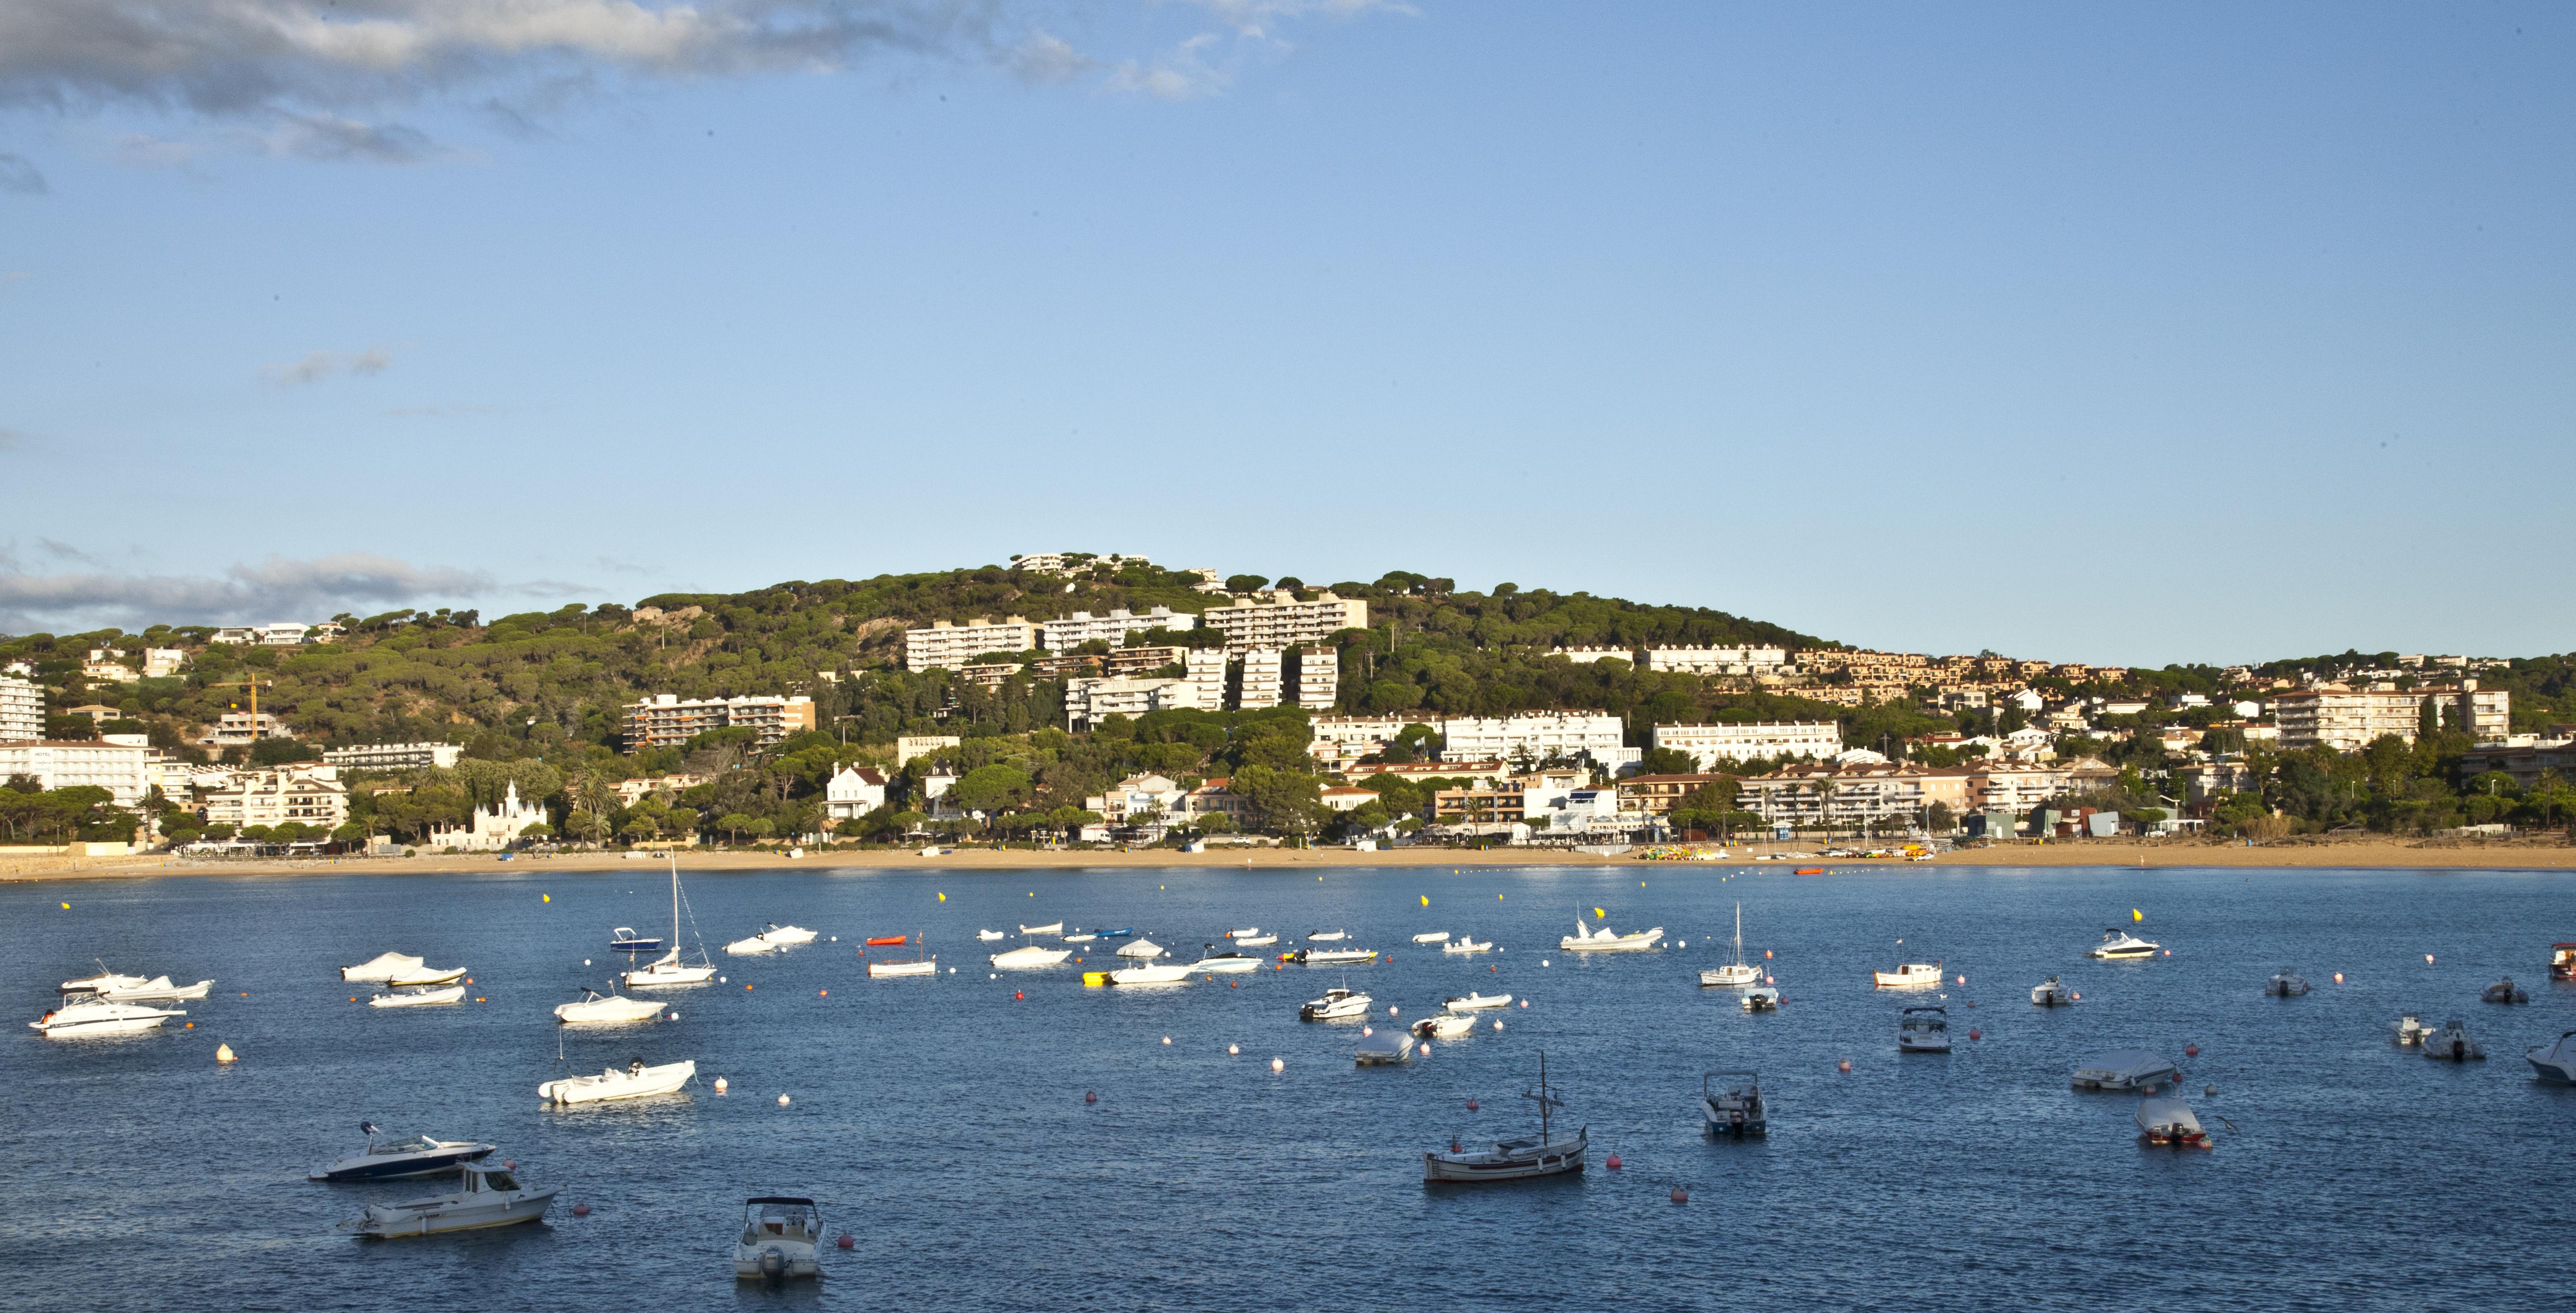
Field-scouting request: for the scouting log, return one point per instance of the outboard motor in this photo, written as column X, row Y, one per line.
column 773, row 1265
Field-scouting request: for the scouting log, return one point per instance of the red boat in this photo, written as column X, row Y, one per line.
column 1811, row 870
column 2562, row 961
column 887, row 941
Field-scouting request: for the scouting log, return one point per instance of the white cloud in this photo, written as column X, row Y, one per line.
column 1183, row 74
column 319, row 365
column 278, row 588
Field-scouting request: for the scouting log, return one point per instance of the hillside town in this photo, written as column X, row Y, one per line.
column 1245, row 710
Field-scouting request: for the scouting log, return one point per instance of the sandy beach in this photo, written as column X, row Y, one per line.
column 2363, row 853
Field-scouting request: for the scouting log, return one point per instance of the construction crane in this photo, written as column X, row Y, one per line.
column 253, row 686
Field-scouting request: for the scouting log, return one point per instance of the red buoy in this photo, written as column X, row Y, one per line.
column 1471, row 1105
column 1680, row 1195
column 1089, row 1097
column 1846, row 1064
column 845, row 1241
column 581, row 1210
column 1974, row 1034
column 1017, row 994
column 1612, row 1163
column 2191, row 1050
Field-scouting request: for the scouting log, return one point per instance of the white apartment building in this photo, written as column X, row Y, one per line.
column 162, row 662
column 922, row 745
column 1826, row 794
column 236, row 634
column 22, row 710
column 1082, row 626
column 631, row 792
column 946, row 643
column 1277, row 621
column 2346, row 719
column 394, row 756
column 122, row 769
column 109, row 664
column 1137, row 796
column 1711, row 744
column 664, row 720
column 1584, row 656
column 1536, row 734
column 1206, row 666
column 304, row 793
column 2018, row 787
column 1318, row 681
column 1717, row 660
column 1265, row 679
column 285, row 633
column 1087, row 702
column 1359, row 736
column 235, row 728
column 1064, row 563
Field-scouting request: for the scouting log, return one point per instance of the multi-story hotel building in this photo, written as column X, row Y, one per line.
column 666, row 721
column 952, row 645
column 1717, row 660
column 2345, row 719
column 394, row 756
column 307, row 794
column 121, row 769
column 1710, row 744
column 22, row 710
column 1082, row 626
column 1537, row 734
column 1274, row 622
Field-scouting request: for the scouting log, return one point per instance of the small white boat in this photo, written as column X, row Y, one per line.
column 104, row 980
column 1762, row 998
column 2556, row 1062
column 382, row 967
column 421, row 997
column 1924, row 1030
column 988, row 936
column 1149, row 973
column 2050, row 994
column 1333, row 957
column 492, row 1197
column 928, row 966
column 2286, row 983
column 2412, row 1031
column 667, row 972
column 2505, row 991
column 1514, row 1160
column 98, row 1016
column 632, row 1081
column 2125, row 1069
column 1433, row 937
column 1908, row 975
column 1029, row 957
column 2167, row 1120
column 400, row 1160
column 781, row 1238
column 2452, row 1044
column 1055, row 928
column 1738, row 973
column 753, row 945
column 787, row 934
column 425, row 976
column 1445, row 1025
column 1461, row 946
column 1245, row 933
column 156, row 990
column 1328, row 936
column 594, row 1009
column 1080, row 938
column 1384, row 1048
column 2120, row 946
column 1140, row 949
column 1606, row 940
column 1255, row 941
column 1730, row 1103
column 1340, row 1004
column 1475, row 1002
column 1227, row 964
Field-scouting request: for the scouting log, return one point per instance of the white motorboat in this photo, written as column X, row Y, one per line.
column 1445, row 1025
column 1908, row 975
column 1055, row 928
column 420, row 997
column 1432, row 937
column 2125, row 1070
column 1140, row 949
column 787, row 934
column 781, row 1238
column 668, row 971
column 1472, row 1001
column 2120, row 946
column 632, row 1081
column 927, row 966
column 398, row 1160
column 1226, row 964
column 2502, row 991
column 1255, row 941
column 382, row 967
column 1333, row 957
column 1924, row 1030
column 1080, row 938
column 1738, row 973
column 988, row 936
column 2557, row 1062
column 98, row 1016
column 104, row 980
column 425, row 976
column 1606, row 940
column 1730, row 1103
column 1328, row 936
column 2412, row 1031
column 2050, row 994
column 1515, row 1160
column 1382, row 1048
column 594, row 1009
column 1338, row 1004
column 2452, row 1044
column 1467, row 945
column 1151, row 973
column 752, row 945
column 2286, row 983
column 1245, row 933
column 1030, row 956
column 156, row 990
column 492, row 1197
column 1762, row 998
column 2166, row 1120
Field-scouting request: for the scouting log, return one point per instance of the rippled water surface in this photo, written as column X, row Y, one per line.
column 942, row 1122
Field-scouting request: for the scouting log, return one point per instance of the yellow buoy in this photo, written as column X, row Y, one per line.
column 1426, row 900
column 1597, row 914
column 67, row 907
column 545, row 898
column 2136, row 915
column 943, row 898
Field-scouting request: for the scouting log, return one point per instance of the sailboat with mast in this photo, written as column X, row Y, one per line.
column 1515, row 1160
column 668, row 970
column 1737, row 973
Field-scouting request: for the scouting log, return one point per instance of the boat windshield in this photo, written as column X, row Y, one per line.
column 785, row 1219
column 500, row 1180
column 416, row 1144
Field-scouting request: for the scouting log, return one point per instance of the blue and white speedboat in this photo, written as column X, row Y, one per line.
column 398, row 1160
column 625, row 940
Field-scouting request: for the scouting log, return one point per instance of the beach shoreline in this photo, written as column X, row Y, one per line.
column 2355, row 854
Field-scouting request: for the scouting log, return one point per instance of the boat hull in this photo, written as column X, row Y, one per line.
column 1479, row 1003
column 403, row 980
column 1030, row 959
column 1226, row 966
column 793, row 1261
column 595, row 1012
column 400, row 1167
column 1639, row 942
column 397, row 1221
column 668, row 977
column 1562, row 1159
column 382, row 967
column 1467, row 946
column 1720, row 1120
column 420, row 999
column 1730, row 977
column 613, row 1085
column 880, row 970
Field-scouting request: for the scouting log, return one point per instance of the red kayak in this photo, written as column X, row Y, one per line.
column 887, row 941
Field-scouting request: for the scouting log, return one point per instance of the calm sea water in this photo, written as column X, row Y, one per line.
column 943, row 1123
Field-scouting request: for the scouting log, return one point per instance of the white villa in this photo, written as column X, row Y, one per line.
column 494, row 828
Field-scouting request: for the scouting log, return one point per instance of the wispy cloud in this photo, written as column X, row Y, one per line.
column 622, row 567
column 278, row 588
column 19, row 177
column 319, row 365
column 1183, row 73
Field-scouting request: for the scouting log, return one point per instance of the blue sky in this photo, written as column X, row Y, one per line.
column 2192, row 333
